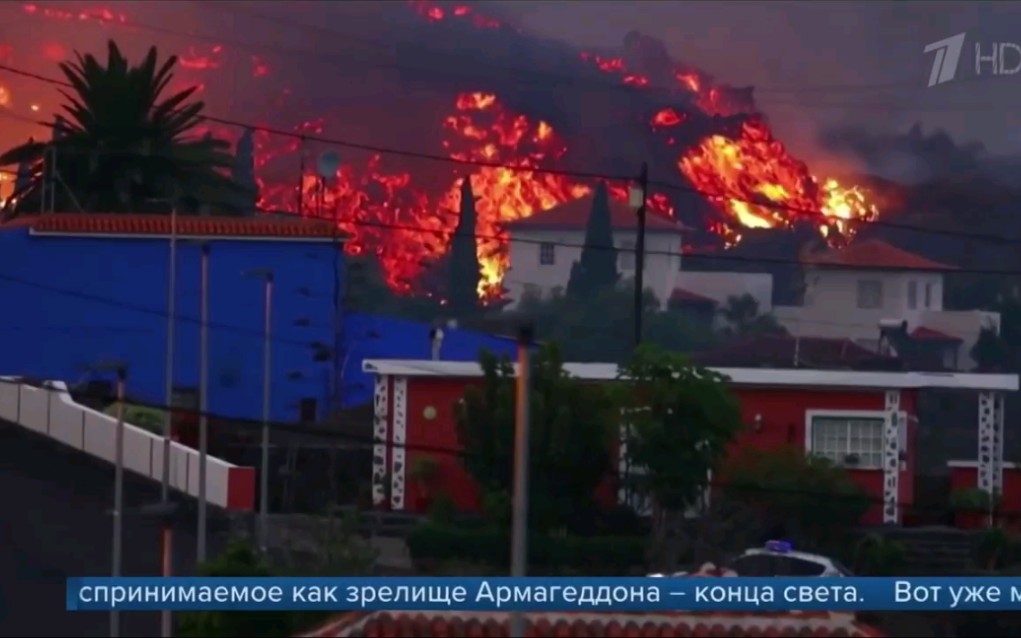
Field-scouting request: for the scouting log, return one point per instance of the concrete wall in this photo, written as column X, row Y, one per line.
column 723, row 285
column 77, row 301
column 51, row 412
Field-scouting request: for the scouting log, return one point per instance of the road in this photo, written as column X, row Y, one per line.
column 55, row 523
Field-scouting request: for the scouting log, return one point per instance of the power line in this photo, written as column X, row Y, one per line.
column 367, row 442
column 671, row 186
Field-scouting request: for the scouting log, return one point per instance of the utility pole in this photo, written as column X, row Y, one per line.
column 203, row 403
column 639, row 196
column 118, row 494
column 519, row 532
column 267, row 350
column 166, row 535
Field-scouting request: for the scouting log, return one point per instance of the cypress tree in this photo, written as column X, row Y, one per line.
column 243, row 173
column 596, row 271
column 464, row 267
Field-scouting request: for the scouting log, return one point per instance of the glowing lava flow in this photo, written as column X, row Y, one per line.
column 750, row 178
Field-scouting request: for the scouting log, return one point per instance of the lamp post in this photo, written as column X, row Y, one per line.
column 519, row 531
column 117, row 550
column 267, row 340
column 637, row 196
column 166, row 532
column 203, row 403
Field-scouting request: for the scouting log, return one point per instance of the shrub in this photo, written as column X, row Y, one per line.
column 996, row 549
column 811, row 498
column 876, row 555
column 606, row 555
column 971, row 500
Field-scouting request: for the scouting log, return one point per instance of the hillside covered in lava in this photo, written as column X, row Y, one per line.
column 417, row 95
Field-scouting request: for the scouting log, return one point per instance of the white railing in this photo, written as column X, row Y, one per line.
column 50, row 411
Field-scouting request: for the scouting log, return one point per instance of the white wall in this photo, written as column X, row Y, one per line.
column 723, row 285
column 662, row 261
column 831, row 308
column 51, row 412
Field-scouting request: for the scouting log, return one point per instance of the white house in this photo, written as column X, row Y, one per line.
column 849, row 292
column 543, row 248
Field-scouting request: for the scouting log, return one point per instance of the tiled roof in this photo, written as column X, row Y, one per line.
column 434, row 624
column 573, row 215
column 874, row 254
column 928, row 334
column 779, row 350
column 187, row 226
column 682, row 296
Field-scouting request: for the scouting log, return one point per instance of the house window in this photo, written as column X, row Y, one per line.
column 853, row 441
column 928, row 295
column 547, row 254
column 627, row 255
column 912, row 295
column 870, row 294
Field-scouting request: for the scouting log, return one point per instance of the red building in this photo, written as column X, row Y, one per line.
column 863, row 420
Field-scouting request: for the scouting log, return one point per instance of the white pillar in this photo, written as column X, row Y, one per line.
column 380, row 430
column 990, row 442
column 891, row 457
column 398, row 455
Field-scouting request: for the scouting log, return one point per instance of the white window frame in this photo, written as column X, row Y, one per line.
column 879, row 297
column 547, row 248
column 879, row 415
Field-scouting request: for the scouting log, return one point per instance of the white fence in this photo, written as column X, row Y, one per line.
column 51, row 412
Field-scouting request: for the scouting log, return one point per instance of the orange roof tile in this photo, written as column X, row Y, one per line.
column 187, row 226
column 682, row 296
column 575, row 213
column 928, row 334
column 385, row 624
column 874, row 254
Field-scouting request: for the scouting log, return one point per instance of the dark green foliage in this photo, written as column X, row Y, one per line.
column 600, row 327
column 597, row 269
column 810, row 499
column 126, row 143
column 243, row 173
column 876, row 555
column 571, row 430
column 239, row 559
column 464, row 267
column 743, row 319
column 600, row 555
column 681, row 418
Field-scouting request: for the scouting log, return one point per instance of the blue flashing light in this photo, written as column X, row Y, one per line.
column 780, row 547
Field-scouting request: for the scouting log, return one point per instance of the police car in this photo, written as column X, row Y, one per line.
column 778, row 558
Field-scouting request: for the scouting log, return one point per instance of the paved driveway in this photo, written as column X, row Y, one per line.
column 54, row 523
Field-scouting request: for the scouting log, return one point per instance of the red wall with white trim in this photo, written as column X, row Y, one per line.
column 783, row 422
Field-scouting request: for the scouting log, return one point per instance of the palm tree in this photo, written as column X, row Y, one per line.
column 123, row 147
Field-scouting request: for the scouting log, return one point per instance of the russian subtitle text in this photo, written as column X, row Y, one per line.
column 952, row 596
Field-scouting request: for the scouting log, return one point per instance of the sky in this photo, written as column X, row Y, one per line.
column 817, row 64
column 814, row 64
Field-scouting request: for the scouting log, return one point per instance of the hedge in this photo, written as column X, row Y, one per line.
column 604, row 555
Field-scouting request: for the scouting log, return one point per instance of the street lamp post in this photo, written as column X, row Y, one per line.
column 267, row 353
column 637, row 197
column 519, row 531
column 117, row 550
column 203, row 404
column 166, row 533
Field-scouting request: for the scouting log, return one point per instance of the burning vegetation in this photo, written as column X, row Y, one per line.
column 720, row 146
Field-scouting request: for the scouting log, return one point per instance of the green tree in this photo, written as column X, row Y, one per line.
column 464, row 267
column 243, row 173
column 681, row 419
column 741, row 313
column 570, row 431
column 806, row 498
column 597, row 269
column 126, row 145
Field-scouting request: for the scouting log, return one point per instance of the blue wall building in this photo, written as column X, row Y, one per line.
column 81, row 290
